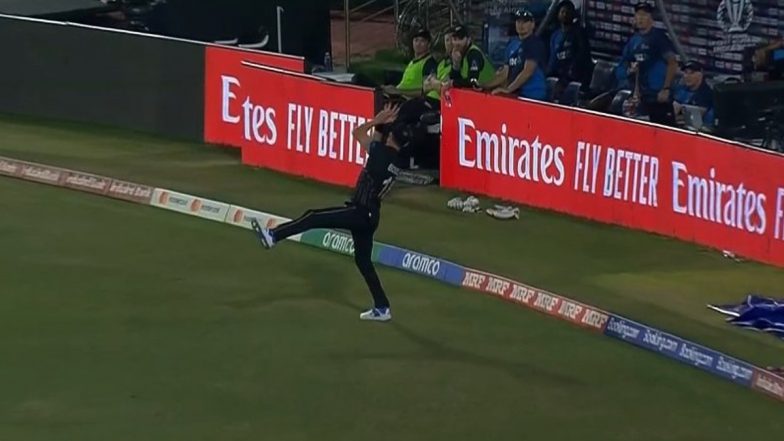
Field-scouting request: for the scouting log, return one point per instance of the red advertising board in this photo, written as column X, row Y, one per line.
column 280, row 61
column 288, row 122
column 695, row 188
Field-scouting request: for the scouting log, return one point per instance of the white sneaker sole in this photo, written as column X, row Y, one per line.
column 370, row 318
column 260, row 234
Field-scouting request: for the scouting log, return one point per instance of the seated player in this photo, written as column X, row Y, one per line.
column 422, row 66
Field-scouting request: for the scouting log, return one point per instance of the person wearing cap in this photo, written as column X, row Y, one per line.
column 434, row 83
column 570, row 51
column 523, row 72
column 649, row 61
column 694, row 91
column 470, row 66
column 424, row 147
column 422, row 66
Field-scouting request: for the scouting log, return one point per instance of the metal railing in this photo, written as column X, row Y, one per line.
column 348, row 11
column 435, row 15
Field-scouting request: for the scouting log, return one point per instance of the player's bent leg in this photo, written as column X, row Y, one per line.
column 363, row 250
column 334, row 217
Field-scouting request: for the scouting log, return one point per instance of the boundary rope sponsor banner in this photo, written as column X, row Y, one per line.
column 188, row 204
column 422, row 264
column 768, row 383
column 76, row 180
column 42, row 173
column 534, row 298
column 594, row 319
column 128, row 191
column 10, row 167
column 87, row 182
column 329, row 240
column 680, row 350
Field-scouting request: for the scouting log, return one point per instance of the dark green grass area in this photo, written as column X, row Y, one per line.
column 660, row 281
column 125, row 322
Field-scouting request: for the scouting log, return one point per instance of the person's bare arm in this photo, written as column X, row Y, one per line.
column 672, row 69
column 498, row 79
column 361, row 133
column 775, row 44
column 522, row 78
column 385, row 116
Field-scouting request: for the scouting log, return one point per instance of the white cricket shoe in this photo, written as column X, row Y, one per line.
column 377, row 315
column 501, row 212
column 469, row 205
column 263, row 234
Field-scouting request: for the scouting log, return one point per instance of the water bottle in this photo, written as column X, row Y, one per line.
column 328, row 62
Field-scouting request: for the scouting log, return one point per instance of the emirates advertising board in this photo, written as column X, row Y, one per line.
column 608, row 169
column 285, row 121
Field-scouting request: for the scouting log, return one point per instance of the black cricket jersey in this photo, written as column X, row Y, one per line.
column 378, row 176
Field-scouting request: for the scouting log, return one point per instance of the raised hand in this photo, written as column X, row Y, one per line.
column 388, row 114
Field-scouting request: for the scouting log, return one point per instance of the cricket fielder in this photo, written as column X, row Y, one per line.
column 361, row 214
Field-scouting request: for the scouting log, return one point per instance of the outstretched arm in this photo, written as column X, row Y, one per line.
column 385, row 116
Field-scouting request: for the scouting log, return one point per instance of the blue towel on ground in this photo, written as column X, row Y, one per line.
column 756, row 312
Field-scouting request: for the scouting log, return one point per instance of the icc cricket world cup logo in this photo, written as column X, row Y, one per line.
column 735, row 15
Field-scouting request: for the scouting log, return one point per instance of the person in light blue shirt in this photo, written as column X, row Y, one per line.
column 649, row 62
column 526, row 59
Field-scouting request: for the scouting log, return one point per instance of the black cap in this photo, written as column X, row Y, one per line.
column 568, row 4
column 424, row 33
column 693, row 65
column 644, row 6
column 460, row 31
column 523, row 14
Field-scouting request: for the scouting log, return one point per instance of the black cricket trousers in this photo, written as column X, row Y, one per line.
column 362, row 224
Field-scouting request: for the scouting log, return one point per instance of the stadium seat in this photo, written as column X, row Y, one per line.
column 602, row 77
column 551, row 82
column 616, row 107
column 571, row 95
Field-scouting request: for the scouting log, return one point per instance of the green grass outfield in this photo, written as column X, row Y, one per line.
column 126, row 322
